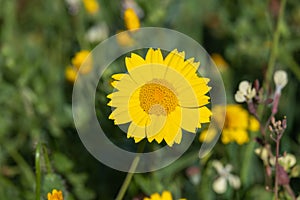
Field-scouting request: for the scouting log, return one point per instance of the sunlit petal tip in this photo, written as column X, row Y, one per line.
column 118, row 76
column 150, row 52
column 182, row 54
column 111, row 116
column 133, row 56
column 190, row 60
column 175, row 51
column 209, row 88
column 196, row 64
column 114, row 83
column 136, row 140
column 109, row 103
column 109, row 96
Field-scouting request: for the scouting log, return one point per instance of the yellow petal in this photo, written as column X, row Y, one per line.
column 156, row 125
column 120, row 115
column 190, row 119
column 204, row 115
column 175, row 60
column 118, row 76
column 136, row 131
column 172, row 126
column 166, row 195
column 154, row 56
column 178, row 137
column 134, row 61
column 125, row 84
column 142, row 74
column 137, row 114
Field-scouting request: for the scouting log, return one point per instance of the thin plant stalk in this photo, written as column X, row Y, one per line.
column 128, row 178
column 276, row 167
column 38, row 172
column 130, row 174
column 274, row 47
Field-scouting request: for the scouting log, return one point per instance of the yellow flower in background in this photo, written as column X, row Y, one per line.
column 237, row 124
column 159, row 97
column 79, row 59
column 55, row 195
column 71, row 74
column 80, row 63
column 219, row 61
column 253, row 124
column 91, row 6
column 131, row 19
column 207, row 135
column 166, row 195
column 124, row 39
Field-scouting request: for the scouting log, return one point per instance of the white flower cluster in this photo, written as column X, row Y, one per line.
column 220, row 184
column 245, row 92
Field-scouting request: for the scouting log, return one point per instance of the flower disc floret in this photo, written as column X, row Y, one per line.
column 157, row 99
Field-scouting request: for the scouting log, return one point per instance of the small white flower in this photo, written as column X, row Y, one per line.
column 287, row 161
column 220, row 184
column 73, row 6
column 262, row 153
column 97, row 33
column 280, row 79
column 245, row 92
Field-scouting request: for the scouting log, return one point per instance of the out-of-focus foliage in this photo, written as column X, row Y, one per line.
column 37, row 42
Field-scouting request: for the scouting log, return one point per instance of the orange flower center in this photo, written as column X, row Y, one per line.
column 157, row 97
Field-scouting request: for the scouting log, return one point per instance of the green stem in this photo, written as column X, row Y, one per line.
column 274, row 48
column 47, row 161
column 130, row 174
column 38, row 171
column 128, row 178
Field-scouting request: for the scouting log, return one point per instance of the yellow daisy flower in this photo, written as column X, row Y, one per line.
column 160, row 96
column 91, row 6
column 55, row 195
column 131, row 19
column 166, row 195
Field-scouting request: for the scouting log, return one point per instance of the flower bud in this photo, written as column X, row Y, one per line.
column 280, row 79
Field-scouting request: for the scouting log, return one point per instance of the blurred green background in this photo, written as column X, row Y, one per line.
column 38, row 39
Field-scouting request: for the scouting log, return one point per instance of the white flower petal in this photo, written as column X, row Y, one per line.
column 280, row 78
column 228, row 168
column 234, row 181
column 251, row 93
column 243, row 86
column 239, row 97
column 287, row 161
column 263, row 154
column 272, row 161
column 220, row 185
column 218, row 166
